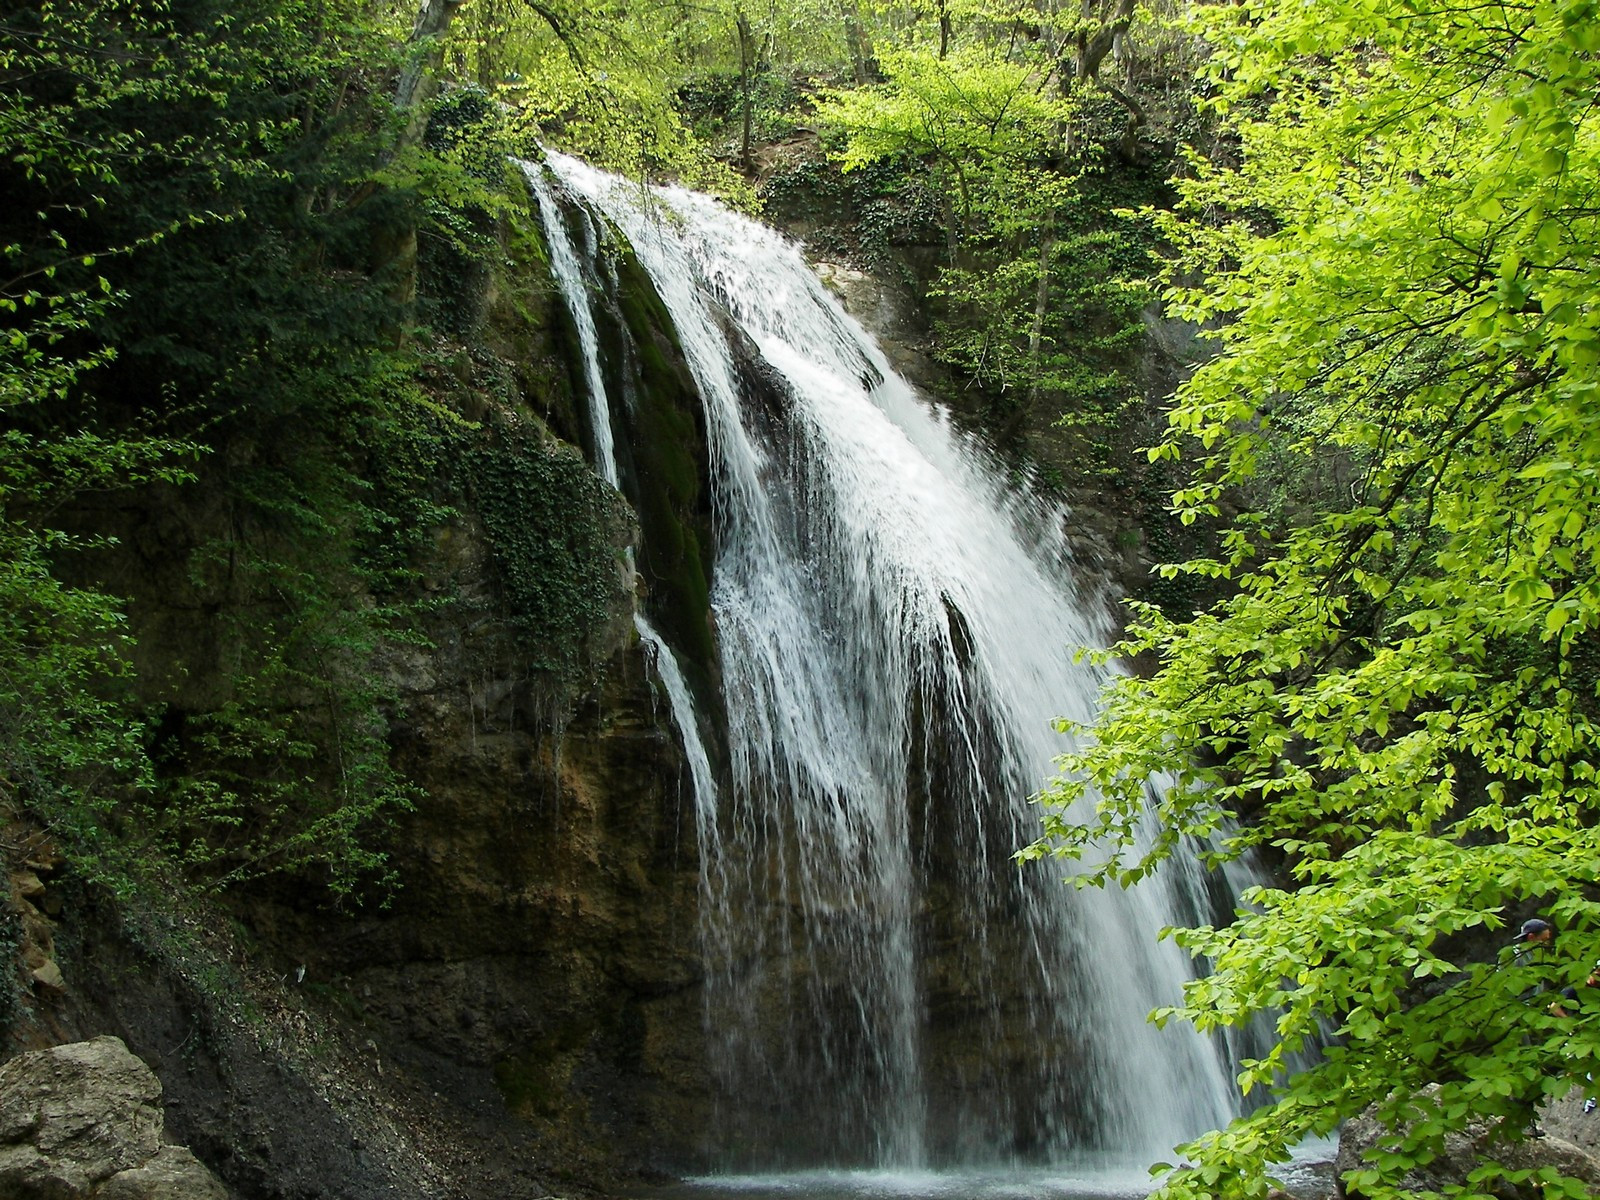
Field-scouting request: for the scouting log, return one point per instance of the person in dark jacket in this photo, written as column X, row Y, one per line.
column 1532, row 945
column 1536, row 934
column 1565, row 1005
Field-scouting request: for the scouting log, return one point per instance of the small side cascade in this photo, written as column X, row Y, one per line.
column 568, row 272
column 567, row 267
column 896, row 630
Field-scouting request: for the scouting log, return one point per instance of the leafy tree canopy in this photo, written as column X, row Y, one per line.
column 971, row 108
column 1399, row 695
column 1033, row 299
column 601, row 82
column 187, row 223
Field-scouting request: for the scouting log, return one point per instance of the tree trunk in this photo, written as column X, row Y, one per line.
column 419, row 80
column 394, row 250
column 1094, row 39
column 1041, row 309
column 746, row 70
column 1089, row 44
column 1128, row 148
column 862, row 61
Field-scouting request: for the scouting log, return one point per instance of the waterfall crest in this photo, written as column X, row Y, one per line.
column 896, row 629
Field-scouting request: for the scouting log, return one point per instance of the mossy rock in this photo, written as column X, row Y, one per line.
column 556, row 533
column 526, row 324
column 662, row 456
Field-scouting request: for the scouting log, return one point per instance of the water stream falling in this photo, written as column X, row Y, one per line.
column 895, row 631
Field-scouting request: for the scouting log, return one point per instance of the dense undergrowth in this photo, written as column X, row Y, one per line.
column 221, row 430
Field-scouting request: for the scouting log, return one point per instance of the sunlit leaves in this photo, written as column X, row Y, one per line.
column 1401, row 691
column 969, row 109
column 600, row 81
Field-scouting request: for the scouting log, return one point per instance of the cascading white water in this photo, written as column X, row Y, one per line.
column 567, row 271
column 577, row 292
column 896, row 630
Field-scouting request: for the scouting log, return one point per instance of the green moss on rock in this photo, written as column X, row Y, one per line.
column 556, row 533
column 528, row 326
column 662, row 453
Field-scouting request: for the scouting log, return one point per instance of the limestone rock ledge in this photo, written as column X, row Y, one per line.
column 84, row 1120
column 1466, row 1150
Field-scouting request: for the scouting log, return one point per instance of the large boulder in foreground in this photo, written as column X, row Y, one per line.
column 1468, row 1149
column 84, row 1120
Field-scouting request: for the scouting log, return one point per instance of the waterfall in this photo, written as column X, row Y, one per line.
column 896, row 629
column 567, row 270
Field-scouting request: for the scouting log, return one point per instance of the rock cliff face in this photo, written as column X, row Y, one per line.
column 543, row 942
column 545, row 936
column 526, row 1007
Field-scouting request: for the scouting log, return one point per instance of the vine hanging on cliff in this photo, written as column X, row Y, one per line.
column 557, row 533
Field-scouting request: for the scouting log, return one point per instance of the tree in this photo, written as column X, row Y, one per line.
column 1032, row 301
column 185, row 228
column 973, row 112
column 1398, row 695
column 603, row 83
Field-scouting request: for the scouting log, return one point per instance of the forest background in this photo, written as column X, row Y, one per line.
column 1376, row 661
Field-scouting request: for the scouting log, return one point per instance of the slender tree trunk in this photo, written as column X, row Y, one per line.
column 419, row 79
column 1041, row 309
column 1097, row 35
column 955, row 217
column 944, row 29
column 862, row 61
column 394, row 249
column 948, row 203
column 746, row 71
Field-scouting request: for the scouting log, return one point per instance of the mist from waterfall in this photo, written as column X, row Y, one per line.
column 896, row 627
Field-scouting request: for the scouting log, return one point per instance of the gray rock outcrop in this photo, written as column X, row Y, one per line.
column 84, row 1121
column 1468, row 1149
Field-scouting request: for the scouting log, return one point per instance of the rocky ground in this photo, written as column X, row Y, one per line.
column 266, row 1085
column 1568, row 1141
column 85, row 1119
column 89, row 1120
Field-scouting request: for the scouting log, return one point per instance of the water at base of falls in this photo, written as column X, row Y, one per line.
column 896, row 628
column 1309, row 1173
column 1086, row 1183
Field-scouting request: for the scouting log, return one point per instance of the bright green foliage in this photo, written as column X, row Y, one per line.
column 592, row 81
column 978, row 120
column 1400, row 694
column 972, row 111
column 1031, row 301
